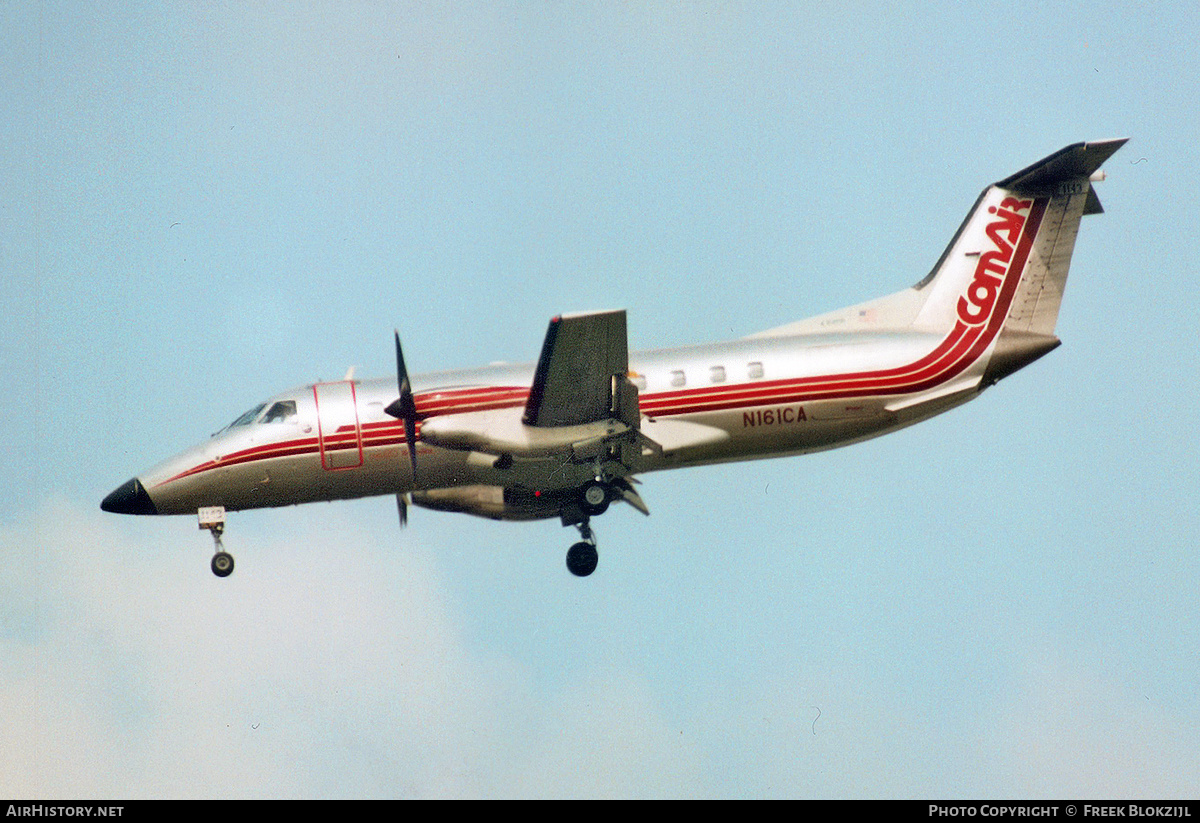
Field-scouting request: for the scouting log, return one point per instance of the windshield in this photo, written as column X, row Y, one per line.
column 247, row 418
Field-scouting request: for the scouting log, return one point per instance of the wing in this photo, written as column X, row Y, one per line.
column 581, row 406
column 582, row 373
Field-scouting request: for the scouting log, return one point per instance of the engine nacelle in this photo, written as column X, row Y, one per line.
column 502, row 431
column 493, row 502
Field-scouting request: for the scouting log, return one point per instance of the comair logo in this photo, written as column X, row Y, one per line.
column 976, row 306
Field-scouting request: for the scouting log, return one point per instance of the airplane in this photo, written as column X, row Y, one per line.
column 568, row 435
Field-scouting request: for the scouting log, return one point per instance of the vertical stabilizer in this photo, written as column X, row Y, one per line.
column 1066, row 178
column 1006, row 266
column 1025, row 227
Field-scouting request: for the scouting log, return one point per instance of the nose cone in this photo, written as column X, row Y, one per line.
column 129, row 498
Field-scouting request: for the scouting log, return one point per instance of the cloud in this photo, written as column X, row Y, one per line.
column 333, row 665
column 1066, row 728
column 129, row 671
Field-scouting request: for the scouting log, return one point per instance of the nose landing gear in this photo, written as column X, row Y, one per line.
column 213, row 519
column 222, row 563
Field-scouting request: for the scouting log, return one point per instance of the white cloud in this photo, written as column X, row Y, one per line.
column 131, row 671
column 321, row 670
column 1065, row 729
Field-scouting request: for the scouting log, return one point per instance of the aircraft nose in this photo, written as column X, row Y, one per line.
column 129, row 498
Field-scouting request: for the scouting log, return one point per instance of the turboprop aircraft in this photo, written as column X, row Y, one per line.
column 568, row 435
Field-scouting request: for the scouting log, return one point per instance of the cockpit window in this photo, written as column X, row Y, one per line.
column 248, row 418
column 281, row 412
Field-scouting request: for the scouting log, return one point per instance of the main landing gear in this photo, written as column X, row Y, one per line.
column 213, row 519
column 583, row 557
column 593, row 499
column 595, row 496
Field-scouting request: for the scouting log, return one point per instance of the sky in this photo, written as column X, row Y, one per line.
column 205, row 203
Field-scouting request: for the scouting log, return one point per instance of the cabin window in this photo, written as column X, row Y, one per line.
column 282, row 412
column 754, row 370
column 677, row 378
column 717, row 374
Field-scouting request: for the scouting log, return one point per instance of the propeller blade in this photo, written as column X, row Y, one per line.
column 404, row 407
column 402, row 507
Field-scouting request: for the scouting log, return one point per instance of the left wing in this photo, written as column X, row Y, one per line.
column 582, row 374
column 580, row 401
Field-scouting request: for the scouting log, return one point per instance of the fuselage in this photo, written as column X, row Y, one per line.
column 744, row 399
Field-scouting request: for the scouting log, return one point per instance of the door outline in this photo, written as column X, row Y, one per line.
column 333, row 446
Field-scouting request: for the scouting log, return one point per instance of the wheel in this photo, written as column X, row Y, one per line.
column 222, row 564
column 594, row 497
column 582, row 559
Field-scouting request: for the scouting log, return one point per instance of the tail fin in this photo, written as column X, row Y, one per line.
column 1006, row 266
column 1013, row 251
column 1067, row 175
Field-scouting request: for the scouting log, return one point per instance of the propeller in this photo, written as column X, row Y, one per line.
column 404, row 407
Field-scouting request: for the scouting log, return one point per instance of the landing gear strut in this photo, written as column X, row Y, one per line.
column 592, row 499
column 213, row 519
column 583, row 557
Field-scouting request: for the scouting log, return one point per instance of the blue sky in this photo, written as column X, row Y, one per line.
column 202, row 204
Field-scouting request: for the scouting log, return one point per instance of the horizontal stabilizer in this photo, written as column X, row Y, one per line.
column 1075, row 161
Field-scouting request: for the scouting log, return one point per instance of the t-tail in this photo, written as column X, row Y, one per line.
column 999, row 284
column 1006, row 268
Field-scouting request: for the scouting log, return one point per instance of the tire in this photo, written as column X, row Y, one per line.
column 582, row 559
column 222, row 564
column 594, row 497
